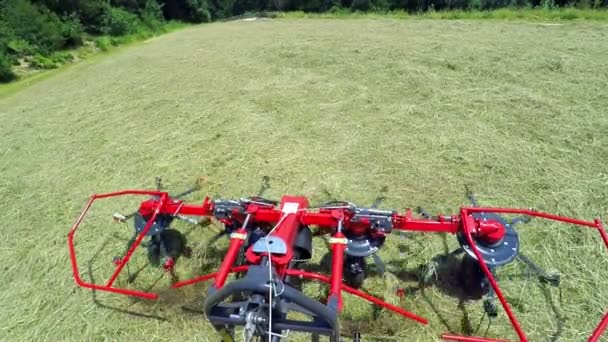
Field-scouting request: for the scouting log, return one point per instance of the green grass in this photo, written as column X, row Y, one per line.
column 527, row 14
column 328, row 109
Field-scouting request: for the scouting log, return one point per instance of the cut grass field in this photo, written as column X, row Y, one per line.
column 330, row 109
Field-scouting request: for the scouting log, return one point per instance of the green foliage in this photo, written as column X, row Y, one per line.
column 51, row 61
column 72, row 30
column 152, row 15
column 198, row 11
column 6, row 71
column 117, row 21
column 20, row 47
column 103, row 43
column 42, row 62
column 34, row 24
column 370, row 5
column 6, row 61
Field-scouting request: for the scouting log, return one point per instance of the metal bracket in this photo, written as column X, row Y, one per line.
column 275, row 245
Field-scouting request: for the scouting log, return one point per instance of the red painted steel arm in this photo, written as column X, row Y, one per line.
column 173, row 207
column 108, row 286
column 123, row 261
column 601, row 327
column 206, row 277
column 237, row 239
column 361, row 294
column 450, row 337
column 441, row 225
column 338, row 244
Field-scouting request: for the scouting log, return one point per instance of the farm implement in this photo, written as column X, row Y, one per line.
column 270, row 240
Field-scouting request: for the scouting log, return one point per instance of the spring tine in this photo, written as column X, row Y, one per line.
column 471, row 196
column 379, row 264
column 521, row 219
column 264, row 186
column 423, row 212
column 185, row 193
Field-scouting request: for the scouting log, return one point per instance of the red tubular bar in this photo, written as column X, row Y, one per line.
column 237, row 239
column 459, row 338
column 206, row 277
column 129, row 192
column 531, row 212
column 338, row 245
column 140, row 237
column 597, row 333
column 108, row 287
column 406, row 222
column 369, row 298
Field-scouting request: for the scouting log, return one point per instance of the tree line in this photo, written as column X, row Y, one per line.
column 36, row 31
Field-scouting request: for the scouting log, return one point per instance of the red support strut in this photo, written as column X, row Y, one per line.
column 237, row 239
column 338, row 244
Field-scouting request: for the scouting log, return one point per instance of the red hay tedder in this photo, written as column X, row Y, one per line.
column 269, row 240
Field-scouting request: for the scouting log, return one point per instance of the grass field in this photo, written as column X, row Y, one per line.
column 325, row 108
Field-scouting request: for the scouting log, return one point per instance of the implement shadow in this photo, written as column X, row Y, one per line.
column 99, row 304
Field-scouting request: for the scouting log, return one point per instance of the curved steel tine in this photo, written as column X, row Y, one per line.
column 520, row 219
column 471, row 196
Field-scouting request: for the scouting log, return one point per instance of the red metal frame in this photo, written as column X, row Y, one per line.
column 597, row 224
column 327, row 219
column 450, row 337
column 123, row 261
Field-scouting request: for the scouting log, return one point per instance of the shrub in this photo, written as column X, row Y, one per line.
column 117, row 22
column 198, row 11
column 152, row 15
column 42, row 62
column 72, row 30
column 103, row 43
column 360, row 5
column 36, row 25
column 6, row 68
column 20, row 47
column 61, row 57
